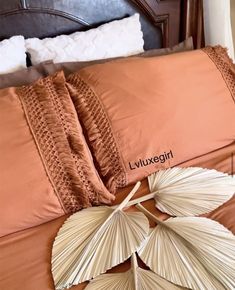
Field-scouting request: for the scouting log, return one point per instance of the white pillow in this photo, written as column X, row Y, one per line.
column 117, row 38
column 12, row 54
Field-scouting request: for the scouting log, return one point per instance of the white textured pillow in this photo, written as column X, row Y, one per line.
column 117, row 38
column 12, row 54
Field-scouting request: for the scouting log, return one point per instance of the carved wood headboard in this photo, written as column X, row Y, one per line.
column 164, row 22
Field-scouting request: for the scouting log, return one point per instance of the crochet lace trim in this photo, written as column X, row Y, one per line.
column 52, row 125
column 98, row 128
column 225, row 65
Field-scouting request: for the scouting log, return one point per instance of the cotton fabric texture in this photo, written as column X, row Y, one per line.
column 46, row 167
column 145, row 114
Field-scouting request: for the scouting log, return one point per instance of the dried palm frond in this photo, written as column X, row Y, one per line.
column 94, row 240
column 188, row 191
column 193, row 252
column 134, row 279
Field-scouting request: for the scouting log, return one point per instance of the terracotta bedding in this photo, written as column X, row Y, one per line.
column 46, row 168
column 145, row 114
column 25, row 256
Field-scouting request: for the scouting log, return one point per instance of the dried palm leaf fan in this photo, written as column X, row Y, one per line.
column 189, row 191
column 193, row 252
column 134, row 279
column 199, row 252
column 94, row 240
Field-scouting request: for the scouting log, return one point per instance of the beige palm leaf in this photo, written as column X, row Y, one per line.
column 194, row 252
column 189, row 191
column 134, row 279
column 94, row 240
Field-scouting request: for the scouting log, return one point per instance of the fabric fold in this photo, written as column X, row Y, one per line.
column 100, row 134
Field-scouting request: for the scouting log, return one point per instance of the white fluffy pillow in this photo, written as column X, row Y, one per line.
column 12, row 54
column 118, row 38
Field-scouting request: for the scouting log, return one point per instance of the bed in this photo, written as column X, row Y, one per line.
column 25, row 256
column 165, row 23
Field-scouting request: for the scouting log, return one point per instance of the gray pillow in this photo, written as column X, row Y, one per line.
column 24, row 76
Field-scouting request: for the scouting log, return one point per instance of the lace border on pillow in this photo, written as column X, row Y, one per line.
column 225, row 65
column 98, row 128
column 53, row 127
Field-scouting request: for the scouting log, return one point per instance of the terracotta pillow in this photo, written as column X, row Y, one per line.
column 46, row 169
column 70, row 67
column 146, row 114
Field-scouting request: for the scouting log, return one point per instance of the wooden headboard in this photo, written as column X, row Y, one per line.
column 164, row 22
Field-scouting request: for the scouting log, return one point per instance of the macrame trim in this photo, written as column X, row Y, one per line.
column 50, row 115
column 96, row 123
column 225, row 65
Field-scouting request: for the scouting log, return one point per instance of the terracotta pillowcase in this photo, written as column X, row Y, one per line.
column 145, row 114
column 33, row 189
column 46, row 169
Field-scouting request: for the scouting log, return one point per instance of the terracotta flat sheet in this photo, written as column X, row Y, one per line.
column 25, row 256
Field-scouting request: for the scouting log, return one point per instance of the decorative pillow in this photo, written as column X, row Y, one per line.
column 117, row 38
column 12, row 54
column 146, row 114
column 25, row 76
column 70, row 67
column 46, row 167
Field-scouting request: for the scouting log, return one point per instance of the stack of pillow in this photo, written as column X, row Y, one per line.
column 119, row 38
column 70, row 141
